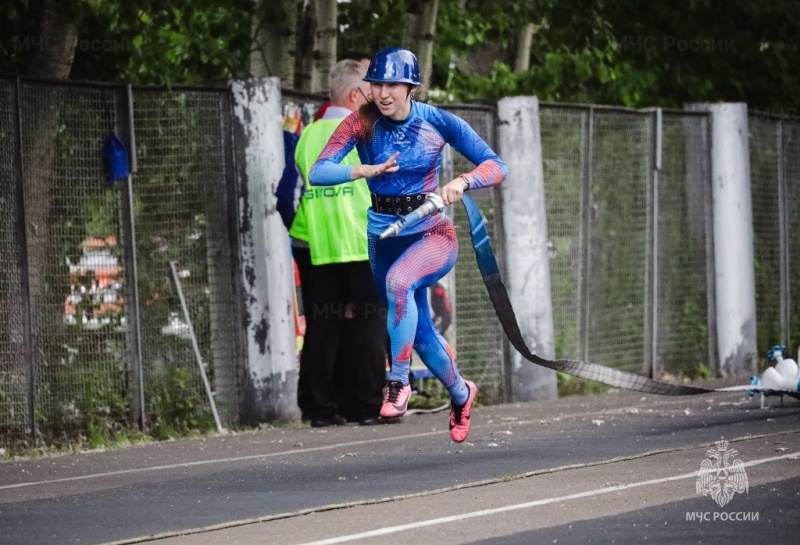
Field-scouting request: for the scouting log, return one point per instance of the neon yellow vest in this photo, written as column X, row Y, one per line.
column 332, row 219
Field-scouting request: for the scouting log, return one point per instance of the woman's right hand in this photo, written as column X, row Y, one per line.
column 370, row 171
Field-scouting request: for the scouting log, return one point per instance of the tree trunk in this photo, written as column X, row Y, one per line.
column 327, row 31
column 309, row 75
column 418, row 36
column 58, row 38
column 51, row 58
column 275, row 40
column 524, row 42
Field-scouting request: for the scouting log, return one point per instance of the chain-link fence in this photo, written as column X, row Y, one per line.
column 775, row 181
column 184, row 212
column 93, row 337
column 92, row 333
column 622, row 186
column 75, row 268
column 481, row 346
column 618, row 243
column 790, row 168
column 684, row 333
column 15, row 376
column 610, row 206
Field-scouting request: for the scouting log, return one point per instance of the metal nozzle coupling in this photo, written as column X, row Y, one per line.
column 433, row 204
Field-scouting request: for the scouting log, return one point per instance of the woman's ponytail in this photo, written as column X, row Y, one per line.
column 368, row 113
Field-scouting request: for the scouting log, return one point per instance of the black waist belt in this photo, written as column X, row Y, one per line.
column 396, row 204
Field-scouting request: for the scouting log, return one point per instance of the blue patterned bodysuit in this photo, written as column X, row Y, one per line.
column 406, row 265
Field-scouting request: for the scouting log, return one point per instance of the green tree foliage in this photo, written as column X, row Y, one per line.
column 600, row 51
column 574, row 60
column 369, row 25
column 710, row 50
column 141, row 41
column 619, row 52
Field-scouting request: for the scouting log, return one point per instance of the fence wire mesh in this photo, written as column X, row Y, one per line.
column 79, row 250
column 14, row 368
column 182, row 214
column 765, row 179
column 791, row 171
column 609, row 209
column 775, row 185
column 565, row 147
column 621, row 169
column 603, row 217
column 74, row 262
column 480, row 342
column 684, row 341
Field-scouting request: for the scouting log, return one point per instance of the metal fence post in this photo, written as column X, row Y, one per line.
column 584, row 271
column 711, row 294
column 651, row 365
column 22, row 233
column 783, row 238
column 128, row 132
column 233, row 399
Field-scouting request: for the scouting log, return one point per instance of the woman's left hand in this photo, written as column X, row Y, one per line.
column 451, row 193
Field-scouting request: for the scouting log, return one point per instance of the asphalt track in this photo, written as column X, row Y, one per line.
column 619, row 467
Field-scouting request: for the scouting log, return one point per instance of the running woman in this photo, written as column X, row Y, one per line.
column 400, row 142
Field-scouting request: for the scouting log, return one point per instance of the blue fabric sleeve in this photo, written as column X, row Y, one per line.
column 327, row 170
column 490, row 168
column 329, row 173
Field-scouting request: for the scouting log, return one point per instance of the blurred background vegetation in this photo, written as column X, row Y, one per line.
column 592, row 51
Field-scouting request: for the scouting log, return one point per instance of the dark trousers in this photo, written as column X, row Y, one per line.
column 342, row 365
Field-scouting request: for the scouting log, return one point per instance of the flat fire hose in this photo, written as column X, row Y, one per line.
column 487, row 264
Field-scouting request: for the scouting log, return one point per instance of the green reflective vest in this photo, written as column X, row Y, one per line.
column 332, row 219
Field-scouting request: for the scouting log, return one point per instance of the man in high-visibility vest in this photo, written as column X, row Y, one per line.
column 343, row 313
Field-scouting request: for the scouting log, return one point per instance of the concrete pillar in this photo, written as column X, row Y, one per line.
column 527, row 260
column 270, row 390
column 734, row 273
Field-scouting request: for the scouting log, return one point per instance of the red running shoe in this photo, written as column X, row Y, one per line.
column 460, row 416
column 396, row 401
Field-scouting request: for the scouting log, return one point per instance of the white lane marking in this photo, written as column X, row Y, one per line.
column 250, row 457
column 526, row 505
column 89, row 476
column 217, row 460
column 413, row 495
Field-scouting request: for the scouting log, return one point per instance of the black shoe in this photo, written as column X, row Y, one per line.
column 379, row 421
column 335, row 420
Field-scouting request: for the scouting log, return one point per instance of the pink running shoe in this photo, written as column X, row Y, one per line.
column 396, row 401
column 460, row 416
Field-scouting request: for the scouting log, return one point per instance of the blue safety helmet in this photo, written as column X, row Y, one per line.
column 393, row 65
